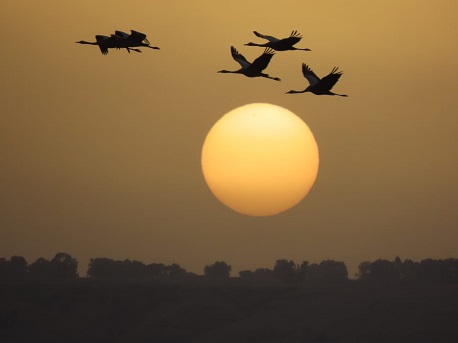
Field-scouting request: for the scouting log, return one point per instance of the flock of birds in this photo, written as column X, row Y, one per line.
column 317, row 86
column 121, row 40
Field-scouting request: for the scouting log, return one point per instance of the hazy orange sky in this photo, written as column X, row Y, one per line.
column 100, row 155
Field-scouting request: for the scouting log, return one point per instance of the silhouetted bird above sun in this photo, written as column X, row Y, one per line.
column 135, row 39
column 319, row 86
column 105, row 43
column 252, row 69
column 280, row 44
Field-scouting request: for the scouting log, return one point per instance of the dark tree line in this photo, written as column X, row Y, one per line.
column 127, row 269
column 289, row 271
column 328, row 271
column 64, row 266
column 428, row 270
column 111, row 269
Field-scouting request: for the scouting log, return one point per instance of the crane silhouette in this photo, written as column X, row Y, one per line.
column 280, row 44
column 105, row 43
column 135, row 39
column 319, row 86
column 252, row 69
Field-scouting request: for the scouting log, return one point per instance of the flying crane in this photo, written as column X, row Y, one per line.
column 252, row 69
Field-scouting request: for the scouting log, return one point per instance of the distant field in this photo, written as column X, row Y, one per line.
column 228, row 310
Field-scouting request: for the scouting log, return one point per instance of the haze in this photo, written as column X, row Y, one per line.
column 100, row 155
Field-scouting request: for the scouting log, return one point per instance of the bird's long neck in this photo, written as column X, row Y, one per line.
column 296, row 92
column 256, row 44
column 84, row 42
column 230, row 71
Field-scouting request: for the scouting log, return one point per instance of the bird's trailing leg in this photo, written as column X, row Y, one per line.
column 136, row 50
column 271, row 77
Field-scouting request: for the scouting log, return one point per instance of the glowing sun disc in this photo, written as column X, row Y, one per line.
column 260, row 159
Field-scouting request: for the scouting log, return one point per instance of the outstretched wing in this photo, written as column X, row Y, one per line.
column 330, row 80
column 138, row 34
column 269, row 38
column 237, row 56
column 262, row 61
column 102, row 42
column 121, row 39
column 310, row 75
column 294, row 38
column 121, row 34
column 100, row 38
column 141, row 37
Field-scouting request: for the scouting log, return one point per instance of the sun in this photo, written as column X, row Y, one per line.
column 260, row 159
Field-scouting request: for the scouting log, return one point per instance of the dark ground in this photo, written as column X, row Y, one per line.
column 231, row 310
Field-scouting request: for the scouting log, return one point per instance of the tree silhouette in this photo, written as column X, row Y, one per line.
column 175, row 270
column 15, row 268
column 127, row 269
column 263, row 273
column 379, row 270
column 133, row 269
column 303, row 271
column 102, row 268
column 218, row 269
column 41, row 268
column 284, row 270
column 64, row 266
column 428, row 270
column 332, row 271
column 363, row 270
